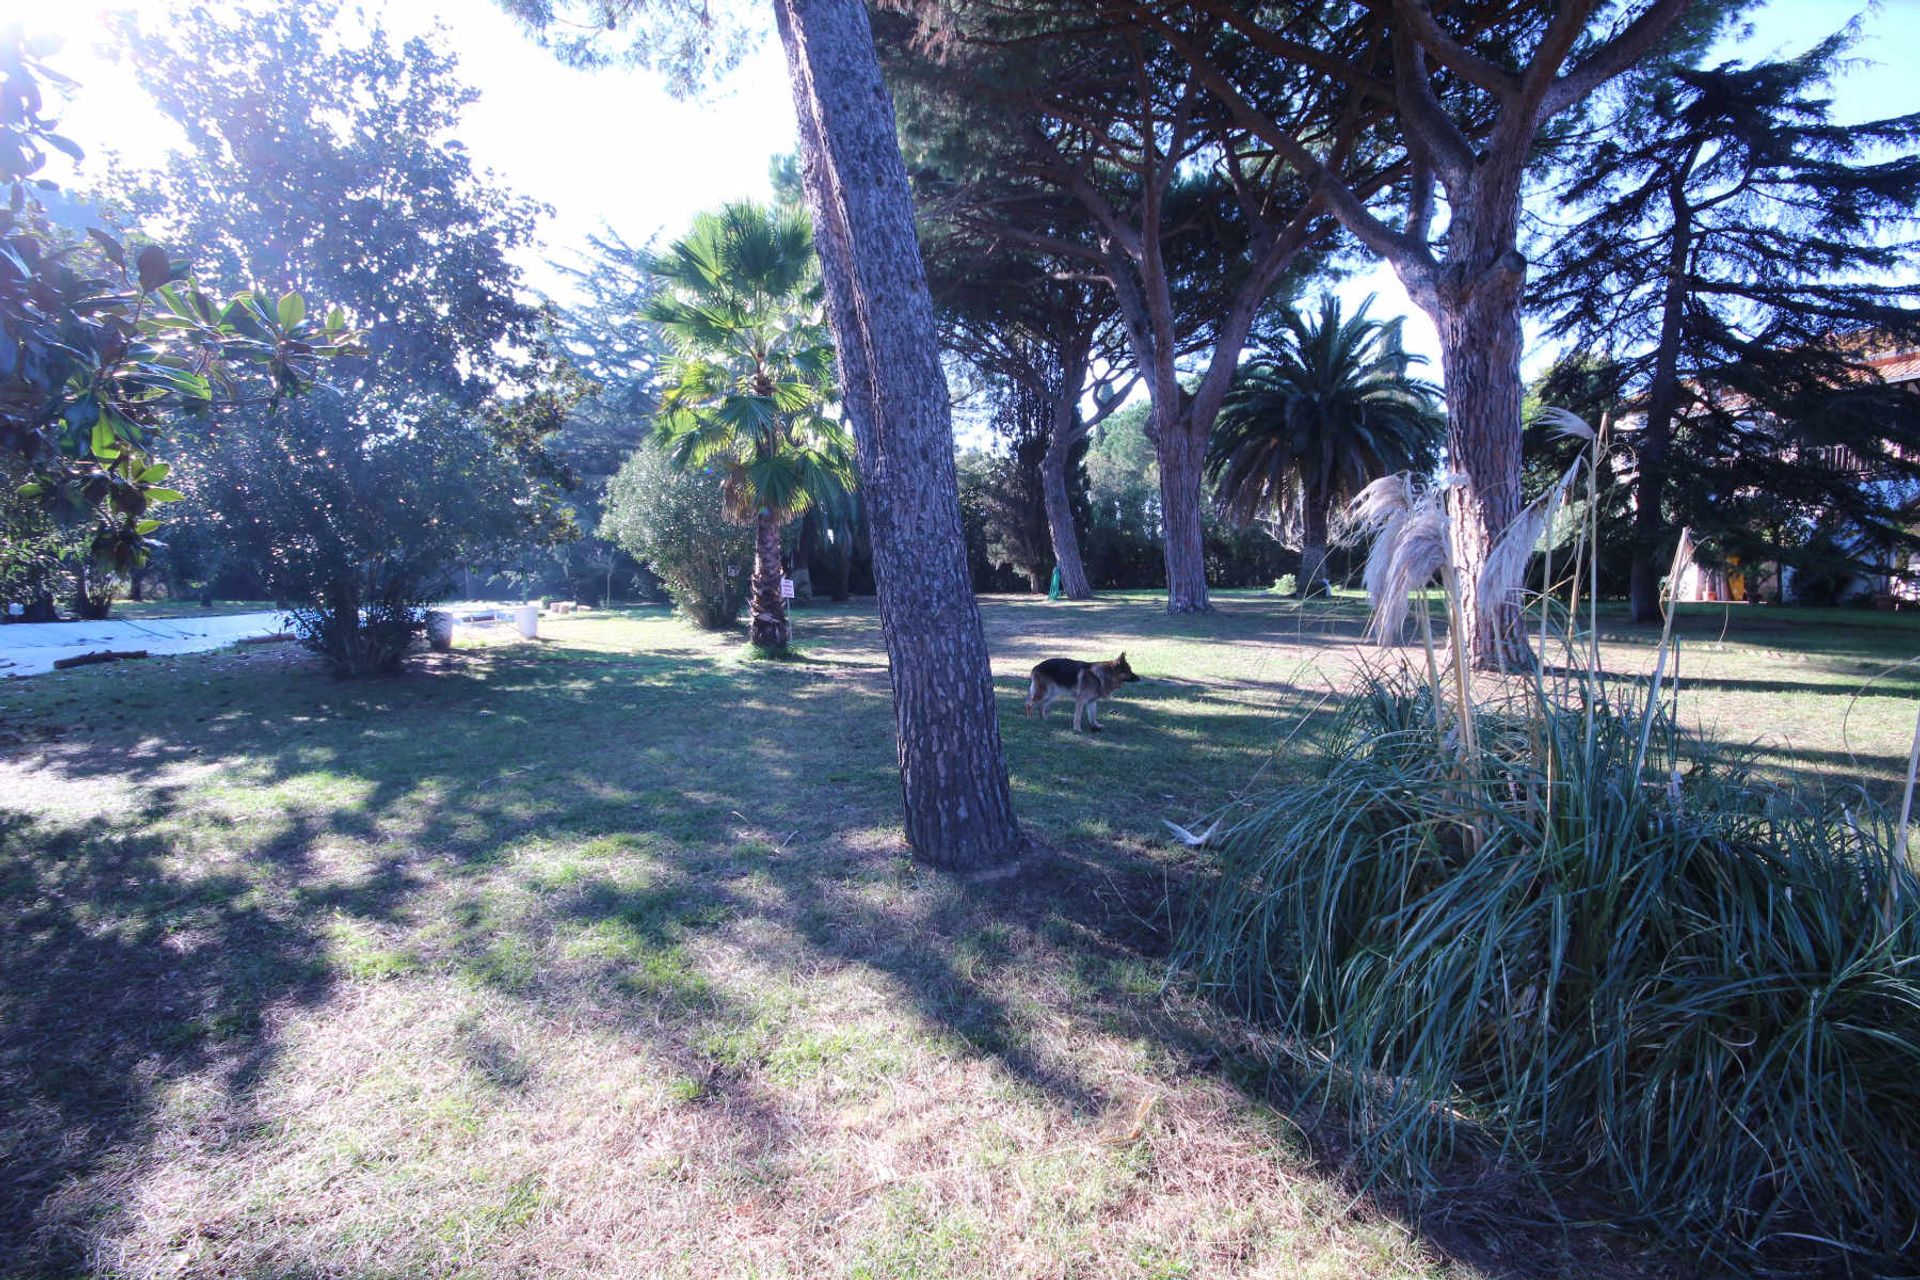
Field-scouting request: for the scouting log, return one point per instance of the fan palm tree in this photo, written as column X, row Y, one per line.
column 750, row 382
column 1315, row 417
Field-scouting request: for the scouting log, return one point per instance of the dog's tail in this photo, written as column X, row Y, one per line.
column 1033, row 693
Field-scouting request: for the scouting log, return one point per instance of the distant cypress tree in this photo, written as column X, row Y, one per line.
column 1740, row 257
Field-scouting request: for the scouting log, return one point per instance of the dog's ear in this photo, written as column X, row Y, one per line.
column 1122, row 659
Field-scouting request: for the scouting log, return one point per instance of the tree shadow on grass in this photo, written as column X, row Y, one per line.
column 567, row 829
column 116, row 979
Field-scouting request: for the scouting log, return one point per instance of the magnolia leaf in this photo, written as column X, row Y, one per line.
column 292, row 310
column 66, row 145
column 109, row 246
column 155, row 268
column 165, row 495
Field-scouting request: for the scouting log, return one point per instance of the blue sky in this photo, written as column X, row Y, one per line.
column 612, row 147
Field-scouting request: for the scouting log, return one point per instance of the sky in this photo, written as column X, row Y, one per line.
column 613, row 148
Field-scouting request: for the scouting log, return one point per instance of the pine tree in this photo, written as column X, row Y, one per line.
column 1738, row 256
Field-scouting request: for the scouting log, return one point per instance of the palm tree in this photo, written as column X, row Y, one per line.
column 751, row 378
column 1315, row 417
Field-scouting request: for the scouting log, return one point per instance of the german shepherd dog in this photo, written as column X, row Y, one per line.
column 1085, row 682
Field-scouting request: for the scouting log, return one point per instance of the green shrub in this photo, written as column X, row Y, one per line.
column 388, row 497
column 672, row 521
column 1590, row 946
column 364, row 624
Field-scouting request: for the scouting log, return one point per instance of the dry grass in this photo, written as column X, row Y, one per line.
column 600, row 957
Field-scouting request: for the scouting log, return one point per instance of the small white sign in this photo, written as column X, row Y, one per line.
column 733, row 571
column 786, row 588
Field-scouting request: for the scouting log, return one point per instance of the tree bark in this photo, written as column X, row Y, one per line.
column 1182, row 453
column 769, row 629
column 1066, row 540
column 953, row 774
column 1656, row 436
column 1649, row 528
column 1313, row 544
column 1478, row 316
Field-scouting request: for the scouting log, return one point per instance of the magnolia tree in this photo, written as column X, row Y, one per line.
column 431, row 452
column 105, row 344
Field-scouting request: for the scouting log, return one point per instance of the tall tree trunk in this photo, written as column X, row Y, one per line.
column 1182, row 453
column 953, row 774
column 1066, row 541
column 1656, row 437
column 1649, row 527
column 1313, row 542
column 1478, row 316
column 769, row 629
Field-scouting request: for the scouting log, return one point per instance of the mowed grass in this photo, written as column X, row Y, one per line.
column 601, row 956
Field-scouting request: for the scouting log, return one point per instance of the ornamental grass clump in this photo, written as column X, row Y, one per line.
column 1544, row 928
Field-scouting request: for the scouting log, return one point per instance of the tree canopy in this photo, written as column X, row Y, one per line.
column 321, row 155
column 1316, row 417
column 104, row 342
column 1742, row 258
column 747, row 390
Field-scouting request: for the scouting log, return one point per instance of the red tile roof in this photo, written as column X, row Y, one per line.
column 1897, row 366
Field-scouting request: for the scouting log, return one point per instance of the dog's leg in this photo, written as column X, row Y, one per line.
column 1078, row 708
column 1093, row 716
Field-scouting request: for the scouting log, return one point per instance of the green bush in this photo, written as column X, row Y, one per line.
column 1589, row 946
column 389, row 497
column 364, row 628
column 672, row 521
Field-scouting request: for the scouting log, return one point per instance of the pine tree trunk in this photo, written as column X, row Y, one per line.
column 1649, row 529
column 953, row 774
column 1182, row 454
column 769, row 629
column 1479, row 324
column 1656, row 437
column 1066, row 540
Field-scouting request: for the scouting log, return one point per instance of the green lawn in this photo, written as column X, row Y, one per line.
column 601, row 956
